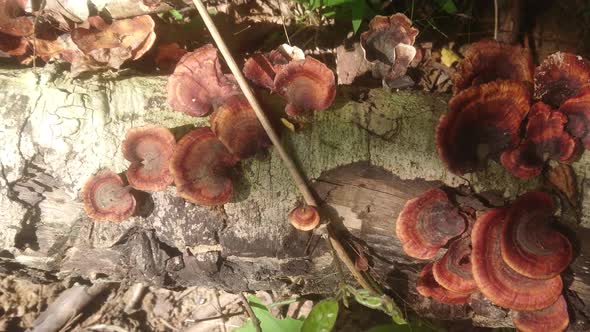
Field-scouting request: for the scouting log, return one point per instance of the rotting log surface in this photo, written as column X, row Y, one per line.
column 365, row 157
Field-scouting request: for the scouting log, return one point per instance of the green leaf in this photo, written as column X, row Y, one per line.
column 448, row 6
column 322, row 317
column 334, row 3
column 358, row 12
column 176, row 15
column 267, row 321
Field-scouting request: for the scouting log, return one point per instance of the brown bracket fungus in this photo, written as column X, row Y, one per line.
column 260, row 70
column 529, row 245
column 198, row 84
column 200, row 166
column 168, row 55
column 483, row 121
column 12, row 19
column 388, row 45
column 545, row 139
column 551, row 319
column 453, row 270
column 106, row 198
column 428, row 287
column 308, row 85
column 495, row 279
column 577, row 110
column 237, row 127
column 489, row 60
column 428, row 222
column 149, row 149
column 560, row 77
column 304, row 218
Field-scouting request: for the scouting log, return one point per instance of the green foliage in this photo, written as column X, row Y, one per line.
column 370, row 300
column 268, row 323
column 447, row 6
column 414, row 326
column 353, row 11
column 322, row 317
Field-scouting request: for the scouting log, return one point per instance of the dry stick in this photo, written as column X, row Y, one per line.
column 495, row 19
column 274, row 137
column 253, row 317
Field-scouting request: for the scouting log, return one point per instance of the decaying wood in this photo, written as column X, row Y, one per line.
column 367, row 156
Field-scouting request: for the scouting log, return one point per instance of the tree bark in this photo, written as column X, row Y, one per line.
column 365, row 157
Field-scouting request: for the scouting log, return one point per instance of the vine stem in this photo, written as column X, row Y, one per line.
column 274, row 137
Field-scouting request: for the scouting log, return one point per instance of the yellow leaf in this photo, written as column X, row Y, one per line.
column 288, row 124
column 448, row 57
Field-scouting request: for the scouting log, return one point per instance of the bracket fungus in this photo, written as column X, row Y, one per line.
column 495, row 279
column 428, row 222
column 453, row 270
column 198, row 84
column 388, row 45
column 483, row 121
column 260, row 70
column 560, row 77
column 237, row 127
column 545, row 139
column 200, row 166
column 577, row 110
column 551, row 319
column 489, row 60
column 304, row 218
column 168, row 55
column 529, row 245
column 106, row 198
column 149, row 149
column 427, row 286
column 12, row 19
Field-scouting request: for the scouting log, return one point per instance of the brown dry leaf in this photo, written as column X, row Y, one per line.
column 563, row 178
column 12, row 19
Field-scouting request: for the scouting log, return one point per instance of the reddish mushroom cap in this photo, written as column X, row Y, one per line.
column 199, row 166
column 453, row 270
column 12, row 19
column 168, row 55
column 545, row 138
column 149, row 149
column 551, row 319
column 483, row 121
column 259, row 69
column 428, row 287
column 304, row 218
column 106, row 198
column 307, row 84
column 237, row 127
column 577, row 110
column 495, row 279
column 13, row 46
column 529, row 245
column 560, row 77
column 428, row 222
column 489, row 60
column 198, row 83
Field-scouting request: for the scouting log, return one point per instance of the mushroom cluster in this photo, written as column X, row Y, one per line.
column 512, row 255
column 497, row 91
column 307, row 84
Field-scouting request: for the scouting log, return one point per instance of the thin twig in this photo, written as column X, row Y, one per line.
column 495, row 19
column 35, row 36
column 253, row 317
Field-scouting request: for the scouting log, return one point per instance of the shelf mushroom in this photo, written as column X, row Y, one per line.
column 545, row 138
column 496, row 280
column 427, row 286
column 529, row 245
column 13, row 21
column 483, row 121
column 304, row 218
column 200, row 166
column 560, row 77
column 489, row 60
column 577, row 110
column 237, row 127
column 453, row 270
column 149, row 149
column 428, row 222
column 106, row 198
column 551, row 319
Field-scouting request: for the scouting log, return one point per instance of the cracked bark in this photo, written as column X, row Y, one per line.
column 365, row 157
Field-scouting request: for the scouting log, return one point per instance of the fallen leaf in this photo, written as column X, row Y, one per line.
column 563, row 178
column 448, row 57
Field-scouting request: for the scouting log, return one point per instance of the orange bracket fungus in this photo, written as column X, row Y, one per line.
column 427, row 223
column 198, row 84
column 106, row 198
column 489, row 60
column 388, row 44
column 304, row 218
column 428, row 287
column 237, row 127
column 149, row 149
column 560, row 77
column 545, row 138
column 483, row 121
column 200, row 166
column 495, row 279
column 453, row 270
column 168, row 55
column 529, row 245
column 551, row 319
column 577, row 110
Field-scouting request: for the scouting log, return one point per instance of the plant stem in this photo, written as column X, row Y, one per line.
column 253, row 317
